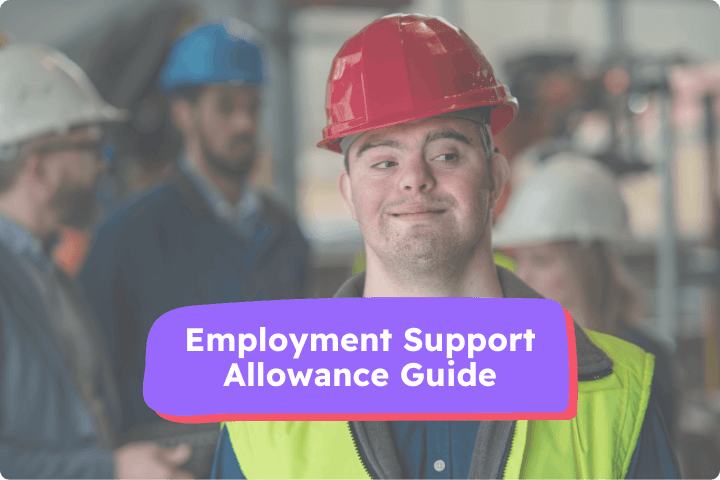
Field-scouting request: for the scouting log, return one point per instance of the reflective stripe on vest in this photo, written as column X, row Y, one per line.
column 598, row 443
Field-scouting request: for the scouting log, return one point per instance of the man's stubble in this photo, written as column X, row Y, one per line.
column 438, row 250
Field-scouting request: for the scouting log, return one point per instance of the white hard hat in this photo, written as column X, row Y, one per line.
column 42, row 91
column 566, row 197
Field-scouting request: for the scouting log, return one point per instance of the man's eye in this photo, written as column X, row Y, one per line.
column 447, row 157
column 385, row 164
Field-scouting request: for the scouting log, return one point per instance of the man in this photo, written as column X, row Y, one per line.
column 124, row 69
column 206, row 236
column 58, row 409
column 412, row 104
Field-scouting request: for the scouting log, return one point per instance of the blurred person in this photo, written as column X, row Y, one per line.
column 59, row 412
column 550, row 88
column 413, row 105
column 559, row 227
column 124, row 69
column 205, row 235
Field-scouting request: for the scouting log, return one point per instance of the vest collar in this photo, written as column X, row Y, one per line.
column 592, row 361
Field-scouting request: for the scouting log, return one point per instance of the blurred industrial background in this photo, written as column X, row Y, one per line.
column 634, row 83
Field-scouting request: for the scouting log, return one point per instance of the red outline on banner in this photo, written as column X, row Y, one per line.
column 568, row 414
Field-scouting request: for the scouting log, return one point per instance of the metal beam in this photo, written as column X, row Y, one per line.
column 272, row 18
column 667, row 246
column 451, row 10
column 616, row 23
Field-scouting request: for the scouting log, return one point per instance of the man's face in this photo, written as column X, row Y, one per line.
column 226, row 125
column 421, row 192
column 71, row 170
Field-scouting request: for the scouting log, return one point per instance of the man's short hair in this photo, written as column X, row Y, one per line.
column 483, row 131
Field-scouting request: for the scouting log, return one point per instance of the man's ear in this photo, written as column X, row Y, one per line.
column 346, row 192
column 39, row 175
column 500, row 173
column 182, row 114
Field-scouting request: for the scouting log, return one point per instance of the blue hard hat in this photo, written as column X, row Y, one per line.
column 220, row 51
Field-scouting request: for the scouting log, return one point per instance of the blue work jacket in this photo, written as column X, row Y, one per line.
column 46, row 427
column 168, row 250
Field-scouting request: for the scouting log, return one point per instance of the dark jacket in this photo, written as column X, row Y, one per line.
column 46, row 431
column 166, row 251
column 664, row 377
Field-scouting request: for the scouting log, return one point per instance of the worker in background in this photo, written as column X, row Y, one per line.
column 560, row 226
column 124, row 69
column 550, row 88
column 59, row 411
column 204, row 236
column 413, row 105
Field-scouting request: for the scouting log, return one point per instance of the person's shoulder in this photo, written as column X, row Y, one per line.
column 18, row 291
column 624, row 354
column 643, row 340
column 278, row 214
column 140, row 207
column 619, row 347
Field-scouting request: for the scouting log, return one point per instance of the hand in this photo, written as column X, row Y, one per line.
column 149, row 460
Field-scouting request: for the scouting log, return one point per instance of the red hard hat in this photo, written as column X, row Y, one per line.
column 402, row 68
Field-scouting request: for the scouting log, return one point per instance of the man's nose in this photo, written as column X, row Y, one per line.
column 417, row 176
column 242, row 120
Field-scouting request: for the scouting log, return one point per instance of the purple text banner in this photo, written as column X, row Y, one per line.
column 363, row 359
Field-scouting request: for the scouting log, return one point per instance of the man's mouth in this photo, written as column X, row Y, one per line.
column 417, row 211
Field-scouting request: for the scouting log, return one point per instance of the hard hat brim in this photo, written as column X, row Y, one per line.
column 502, row 115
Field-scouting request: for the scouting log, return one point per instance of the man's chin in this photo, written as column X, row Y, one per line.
column 239, row 168
column 421, row 251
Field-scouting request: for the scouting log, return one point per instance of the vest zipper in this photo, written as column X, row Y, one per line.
column 359, row 452
column 508, row 447
column 581, row 378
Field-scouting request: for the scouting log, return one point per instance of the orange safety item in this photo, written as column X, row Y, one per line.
column 72, row 250
column 402, row 68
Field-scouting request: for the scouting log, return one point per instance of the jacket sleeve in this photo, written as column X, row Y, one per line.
column 654, row 456
column 25, row 462
column 27, row 456
column 100, row 282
